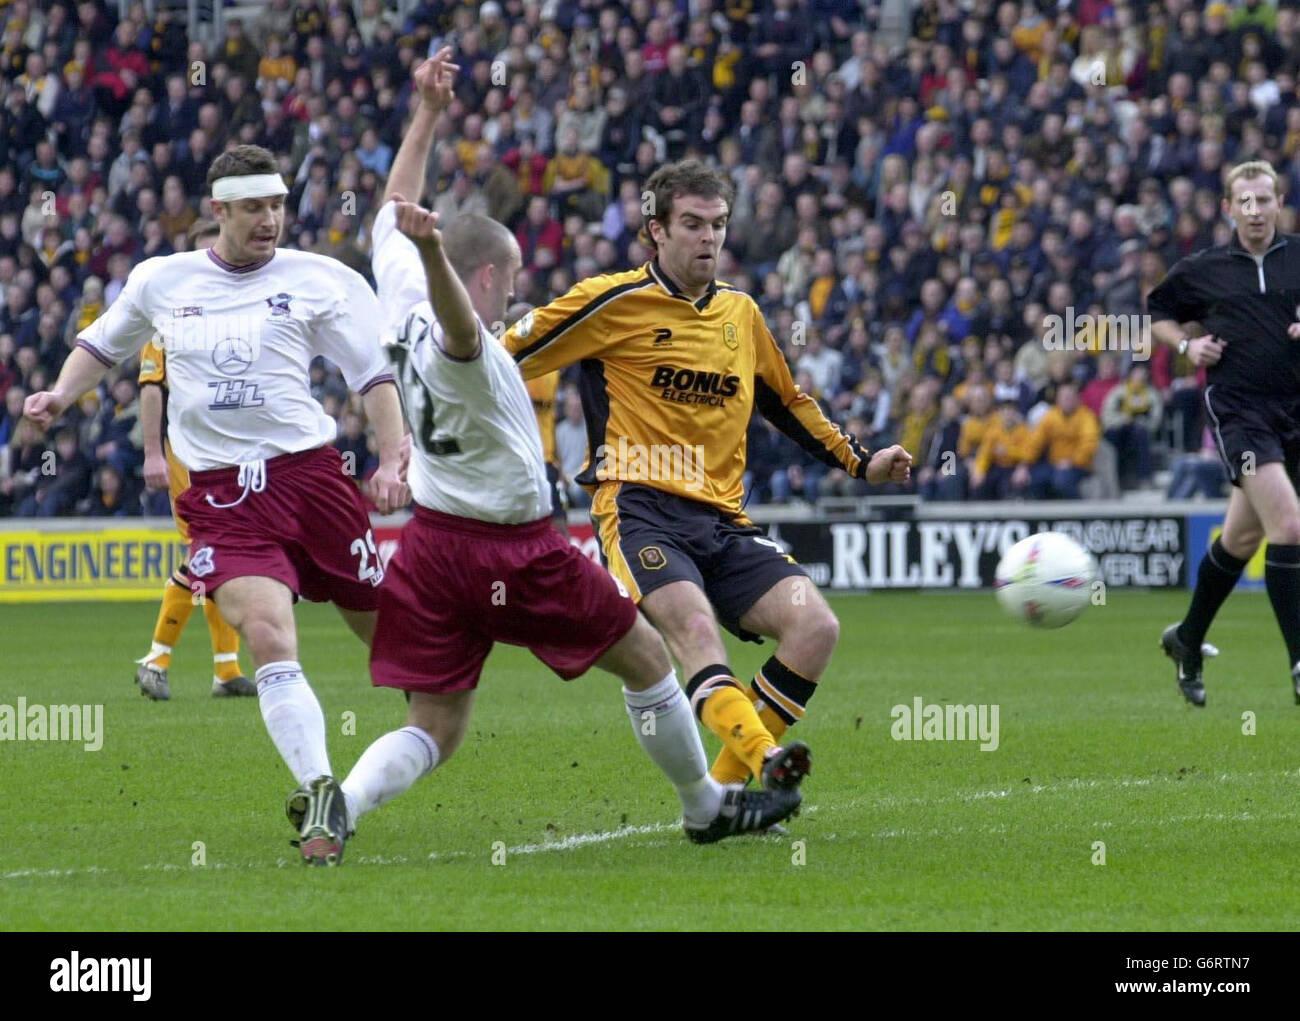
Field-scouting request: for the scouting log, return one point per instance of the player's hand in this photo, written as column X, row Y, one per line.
column 1205, row 350
column 42, row 409
column 1293, row 331
column 893, row 464
column 418, row 224
column 155, row 471
column 432, row 80
column 387, row 489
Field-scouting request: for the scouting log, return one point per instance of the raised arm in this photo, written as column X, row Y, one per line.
column 432, row 80
column 447, row 294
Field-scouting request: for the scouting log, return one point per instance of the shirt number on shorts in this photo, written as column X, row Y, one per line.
column 365, row 549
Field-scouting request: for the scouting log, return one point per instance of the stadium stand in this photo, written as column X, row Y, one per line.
column 927, row 195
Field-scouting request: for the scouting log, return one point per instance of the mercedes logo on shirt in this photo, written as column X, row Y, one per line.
column 233, row 356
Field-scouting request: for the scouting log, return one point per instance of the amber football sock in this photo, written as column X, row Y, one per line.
column 722, row 706
column 780, row 697
column 172, row 615
column 225, row 643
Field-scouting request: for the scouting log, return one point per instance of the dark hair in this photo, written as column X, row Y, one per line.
column 242, row 161
column 676, row 180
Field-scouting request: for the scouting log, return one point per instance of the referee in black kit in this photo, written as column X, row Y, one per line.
column 1246, row 297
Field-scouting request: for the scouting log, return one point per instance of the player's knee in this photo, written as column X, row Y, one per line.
column 640, row 658
column 1242, row 543
column 652, row 652
column 444, row 720
column 698, row 630
column 815, row 632
column 269, row 641
column 824, row 627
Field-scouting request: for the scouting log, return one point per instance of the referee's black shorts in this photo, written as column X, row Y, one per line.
column 1251, row 429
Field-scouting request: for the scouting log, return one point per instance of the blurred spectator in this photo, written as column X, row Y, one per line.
column 113, row 496
column 351, row 443
column 57, row 492
column 116, row 434
column 540, row 236
column 1095, row 392
column 1130, row 417
column 942, row 476
column 1066, row 440
column 21, row 462
column 571, row 445
column 1001, row 462
column 1198, row 475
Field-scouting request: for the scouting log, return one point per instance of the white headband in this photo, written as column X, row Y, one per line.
column 249, row 186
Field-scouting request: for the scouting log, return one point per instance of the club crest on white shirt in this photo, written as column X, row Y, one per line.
column 279, row 305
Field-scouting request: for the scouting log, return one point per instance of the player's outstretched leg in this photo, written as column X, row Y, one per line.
column 665, row 728
column 794, row 613
column 261, row 608
column 177, row 605
column 435, row 726
column 681, row 612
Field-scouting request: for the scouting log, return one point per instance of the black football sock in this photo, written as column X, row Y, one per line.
column 1282, row 578
column 1216, row 578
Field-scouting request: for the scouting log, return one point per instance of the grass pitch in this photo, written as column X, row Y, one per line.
column 1197, row 817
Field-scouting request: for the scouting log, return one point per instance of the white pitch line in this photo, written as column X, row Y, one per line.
column 584, row 839
column 579, row 840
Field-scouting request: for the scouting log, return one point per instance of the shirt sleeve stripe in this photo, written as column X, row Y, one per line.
column 385, row 377
column 567, row 324
column 769, row 403
column 96, row 352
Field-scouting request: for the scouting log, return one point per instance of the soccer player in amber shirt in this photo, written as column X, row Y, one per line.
column 673, row 364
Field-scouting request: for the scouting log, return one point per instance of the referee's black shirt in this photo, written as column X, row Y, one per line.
column 1248, row 302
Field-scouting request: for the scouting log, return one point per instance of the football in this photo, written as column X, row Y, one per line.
column 1045, row 580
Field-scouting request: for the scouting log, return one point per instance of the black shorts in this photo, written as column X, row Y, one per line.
column 649, row 538
column 1253, row 429
column 559, row 505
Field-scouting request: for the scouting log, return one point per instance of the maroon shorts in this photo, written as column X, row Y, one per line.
column 308, row 528
column 455, row 586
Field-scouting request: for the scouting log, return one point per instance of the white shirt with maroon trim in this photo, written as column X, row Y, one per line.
column 477, row 451
column 239, row 344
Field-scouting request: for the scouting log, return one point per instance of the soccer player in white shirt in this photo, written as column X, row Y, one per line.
column 272, row 514
column 479, row 562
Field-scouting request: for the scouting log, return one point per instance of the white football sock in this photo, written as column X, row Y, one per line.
column 387, row 768
column 294, row 719
column 665, row 726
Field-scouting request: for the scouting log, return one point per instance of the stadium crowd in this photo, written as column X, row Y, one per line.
column 916, row 204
